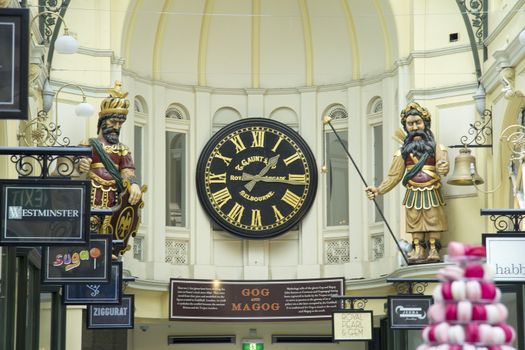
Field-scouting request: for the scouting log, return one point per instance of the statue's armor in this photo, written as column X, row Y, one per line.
column 424, row 188
column 103, row 185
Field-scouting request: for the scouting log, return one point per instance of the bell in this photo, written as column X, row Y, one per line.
column 465, row 173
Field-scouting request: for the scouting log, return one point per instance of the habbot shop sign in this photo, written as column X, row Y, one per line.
column 253, row 300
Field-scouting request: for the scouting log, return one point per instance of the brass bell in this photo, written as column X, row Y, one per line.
column 465, row 173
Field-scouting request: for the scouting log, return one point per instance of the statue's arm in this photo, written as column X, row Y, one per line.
column 127, row 172
column 84, row 164
column 442, row 164
column 395, row 174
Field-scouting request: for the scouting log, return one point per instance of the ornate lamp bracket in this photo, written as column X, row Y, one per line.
column 52, row 13
column 474, row 13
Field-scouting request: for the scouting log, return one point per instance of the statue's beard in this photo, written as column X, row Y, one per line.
column 425, row 145
column 111, row 134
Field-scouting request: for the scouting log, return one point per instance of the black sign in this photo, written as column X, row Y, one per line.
column 78, row 264
column 93, row 293
column 408, row 312
column 112, row 316
column 14, row 53
column 44, row 212
column 254, row 300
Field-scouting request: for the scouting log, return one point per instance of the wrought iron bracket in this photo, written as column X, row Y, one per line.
column 411, row 286
column 479, row 133
column 474, row 13
column 505, row 220
column 355, row 302
column 46, row 162
column 49, row 25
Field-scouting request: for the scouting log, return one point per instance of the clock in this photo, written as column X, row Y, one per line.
column 256, row 178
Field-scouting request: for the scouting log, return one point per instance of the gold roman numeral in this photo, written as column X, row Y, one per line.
column 256, row 217
column 217, row 178
column 279, row 140
column 258, row 138
column 236, row 212
column 225, row 159
column 221, row 197
column 239, row 145
column 278, row 215
column 291, row 158
column 297, row 177
column 291, row 198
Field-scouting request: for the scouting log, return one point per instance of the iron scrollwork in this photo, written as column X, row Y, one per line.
column 476, row 10
column 356, row 304
column 505, row 220
column 50, row 24
column 38, row 131
column 410, row 287
column 45, row 162
column 514, row 137
column 480, row 132
column 504, row 223
column 44, row 166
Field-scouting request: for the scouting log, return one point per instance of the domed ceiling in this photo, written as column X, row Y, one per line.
column 259, row 43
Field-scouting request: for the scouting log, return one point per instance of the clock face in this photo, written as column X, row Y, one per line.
column 256, row 178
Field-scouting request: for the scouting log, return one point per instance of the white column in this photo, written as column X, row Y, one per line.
column 358, row 149
column 201, row 235
column 310, row 127
column 156, row 237
column 392, row 207
column 255, row 106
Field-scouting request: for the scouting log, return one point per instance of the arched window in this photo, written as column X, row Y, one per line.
column 140, row 146
column 336, row 163
column 140, row 105
column 177, row 126
column 175, row 186
column 374, row 118
column 177, row 111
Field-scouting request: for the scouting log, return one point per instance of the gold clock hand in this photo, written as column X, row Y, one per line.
column 284, row 181
column 271, row 163
column 248, row 177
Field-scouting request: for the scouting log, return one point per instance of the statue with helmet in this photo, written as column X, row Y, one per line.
column 112, row 173
column 419, row 164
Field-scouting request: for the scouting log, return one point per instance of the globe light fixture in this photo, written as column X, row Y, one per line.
column 66, row 44
column 83, row 109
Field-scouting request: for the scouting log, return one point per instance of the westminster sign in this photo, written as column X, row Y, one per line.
column 44, row 212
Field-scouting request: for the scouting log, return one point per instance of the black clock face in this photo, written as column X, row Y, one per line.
column 256, row 178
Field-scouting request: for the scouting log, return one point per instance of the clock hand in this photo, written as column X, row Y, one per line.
column 271, row 163
column 247, row 177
